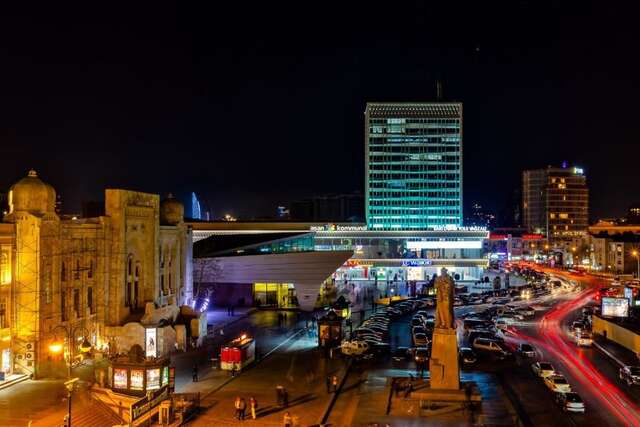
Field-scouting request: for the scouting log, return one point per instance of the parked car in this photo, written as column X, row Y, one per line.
column 570, row 402
column 416, row 322
column 421, row 354
column 418, row 330
column 557, row 383
column 467, row 356
column 630, row 375
column 527, row 311
column 526, row 350
column 400, row 354
column 490, row 346
column 354, row 348
column 420, row 340
column 543, row 369
column 577, row 327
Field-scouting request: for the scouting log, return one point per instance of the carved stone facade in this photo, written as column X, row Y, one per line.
column 74, row 277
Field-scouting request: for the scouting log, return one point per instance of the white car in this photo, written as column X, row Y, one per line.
column 583, row 339
column 557, row 383
column 543, row 369
column 354, row 348
column 570, row 402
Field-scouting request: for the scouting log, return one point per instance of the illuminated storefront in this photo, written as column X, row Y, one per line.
column 139, row 378
column 279, row 295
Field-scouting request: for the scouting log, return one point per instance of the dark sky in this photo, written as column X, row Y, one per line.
column 250, row 104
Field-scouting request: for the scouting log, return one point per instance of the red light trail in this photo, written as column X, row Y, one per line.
column 550, row 331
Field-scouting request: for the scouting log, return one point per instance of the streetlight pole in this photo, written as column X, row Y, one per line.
column 637, row 255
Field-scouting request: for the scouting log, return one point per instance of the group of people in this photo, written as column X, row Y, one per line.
column 241, row 407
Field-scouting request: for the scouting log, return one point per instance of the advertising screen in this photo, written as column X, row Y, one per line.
column 137, row 379
column 615, row 307
column 153, row 379
column 120, row 378
column 151, row 347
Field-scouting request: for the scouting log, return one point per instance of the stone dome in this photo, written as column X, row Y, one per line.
column 171, row 211
column 31, row 194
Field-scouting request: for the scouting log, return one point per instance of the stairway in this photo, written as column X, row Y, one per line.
column 88, row 412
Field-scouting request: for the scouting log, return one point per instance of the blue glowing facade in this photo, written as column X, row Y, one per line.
column 195, row 207
column 413, row 166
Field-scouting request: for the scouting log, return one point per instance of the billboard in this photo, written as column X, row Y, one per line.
column 615, row 307
column 151, row 348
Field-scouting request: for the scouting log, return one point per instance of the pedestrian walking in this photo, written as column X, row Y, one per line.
column 243, row 408
column 253, row 406
column 286, row 420
column 280, row 395
column 236, row 404
column 285, row 397
column 195, row 373
column 334, row 383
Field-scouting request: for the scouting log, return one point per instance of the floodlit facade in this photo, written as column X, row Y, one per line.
column 555, row 202
column 413, row 165
column 82, row 275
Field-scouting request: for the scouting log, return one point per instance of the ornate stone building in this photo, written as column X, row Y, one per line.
column 68, row 279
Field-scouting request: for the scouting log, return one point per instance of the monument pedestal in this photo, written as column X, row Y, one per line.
column 443, row 365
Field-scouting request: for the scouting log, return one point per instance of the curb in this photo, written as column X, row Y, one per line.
column 334, row 397
column 14, row 382
column 608, row 354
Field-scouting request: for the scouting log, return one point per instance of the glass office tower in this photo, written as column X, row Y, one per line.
column 413, row 165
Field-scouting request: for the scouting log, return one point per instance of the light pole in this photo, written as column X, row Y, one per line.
column 57, row 347
column 635, row 254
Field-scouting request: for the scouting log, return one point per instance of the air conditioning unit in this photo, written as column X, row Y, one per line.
column 30, row 351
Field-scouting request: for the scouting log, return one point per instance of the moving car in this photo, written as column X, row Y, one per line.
column 526, row 350
column 570, row 402
column 557, row 383
column 467, row 356
column 583, row 339
column 543, row 369
column 630, row 375
column 527, row 311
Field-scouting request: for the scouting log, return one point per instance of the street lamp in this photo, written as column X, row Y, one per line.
column 635, row 254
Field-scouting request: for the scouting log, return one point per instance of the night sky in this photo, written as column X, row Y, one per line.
column 252, row 106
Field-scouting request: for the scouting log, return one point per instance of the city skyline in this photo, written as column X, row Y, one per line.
column 177, row 92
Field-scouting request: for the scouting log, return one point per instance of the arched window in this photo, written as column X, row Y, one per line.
column 128, row 282
column 63, row 272
column 90, row 271
column 5, row 272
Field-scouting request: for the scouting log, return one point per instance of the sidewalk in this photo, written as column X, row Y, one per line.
column 218, row 318
column 620, row 355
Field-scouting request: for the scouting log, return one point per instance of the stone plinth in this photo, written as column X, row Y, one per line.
column 443, row 365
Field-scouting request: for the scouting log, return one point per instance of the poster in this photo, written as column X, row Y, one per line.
column 414, row 273
column 137, row 379
column 120, row 378
column 151, row 343
column 153, row 379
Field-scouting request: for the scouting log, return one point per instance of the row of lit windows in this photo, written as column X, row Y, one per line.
column 395, row 142
column 412, row 120
column 401, row 202
column 403, row 166
column 391, row 174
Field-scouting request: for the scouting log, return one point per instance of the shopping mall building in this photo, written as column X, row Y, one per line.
column 288, row 259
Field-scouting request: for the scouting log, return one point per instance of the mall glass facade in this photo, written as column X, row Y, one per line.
column 413, row 165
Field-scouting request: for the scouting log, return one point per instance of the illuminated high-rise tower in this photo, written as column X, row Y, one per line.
column 413, row 165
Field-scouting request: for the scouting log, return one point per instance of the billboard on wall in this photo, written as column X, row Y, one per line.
column 151, row 347
column 615, row 307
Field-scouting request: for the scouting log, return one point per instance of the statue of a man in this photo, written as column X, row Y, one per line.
column 444, row 293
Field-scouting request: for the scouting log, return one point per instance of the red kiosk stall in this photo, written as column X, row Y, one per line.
column 238, row 353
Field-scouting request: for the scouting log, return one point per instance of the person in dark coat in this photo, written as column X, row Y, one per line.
column 195, row 373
